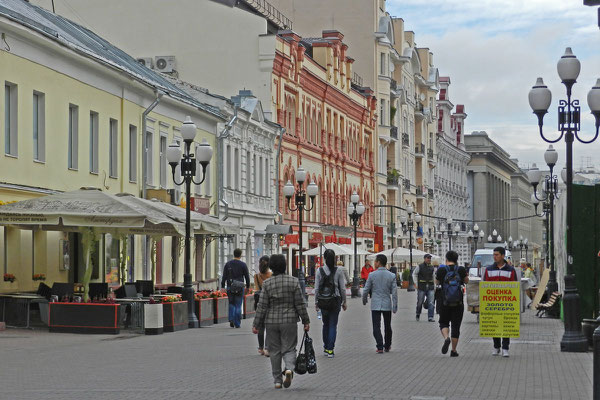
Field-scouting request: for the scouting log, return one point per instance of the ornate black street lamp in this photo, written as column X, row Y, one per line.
column 451, row 231
column 355, row 211
column 289, row 190
column 474, row 235
column 550, row 192
column 494, row 237
column 407, row 225
column 187, row 166
column 569, row 125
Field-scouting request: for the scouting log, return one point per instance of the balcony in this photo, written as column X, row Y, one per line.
column 430, row 153
column 405, row 140
column 419, row 114
column 420, row 191
column 394, row 132
column 393, row 177
column 406, row 185
column 420, row 150
column 430, row 193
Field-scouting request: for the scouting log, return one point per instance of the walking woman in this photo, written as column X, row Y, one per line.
column 330, row 295
column 280, row 306
column 264, row 273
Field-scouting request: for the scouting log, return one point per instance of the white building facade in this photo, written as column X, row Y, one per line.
column 451, row 196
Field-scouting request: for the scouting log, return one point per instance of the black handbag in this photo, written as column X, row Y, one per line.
column 301, row 364
column 236, row 287
column 256, row 298
column 311, row 359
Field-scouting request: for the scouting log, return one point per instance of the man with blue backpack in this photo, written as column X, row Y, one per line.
column 452, row 278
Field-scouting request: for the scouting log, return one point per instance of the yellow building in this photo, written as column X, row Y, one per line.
column 76, row 111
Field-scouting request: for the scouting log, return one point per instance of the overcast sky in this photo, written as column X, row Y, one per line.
column 493, row 50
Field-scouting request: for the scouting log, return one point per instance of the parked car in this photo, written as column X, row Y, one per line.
column 483, row 258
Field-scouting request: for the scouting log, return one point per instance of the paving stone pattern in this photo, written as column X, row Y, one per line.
column 222, row 363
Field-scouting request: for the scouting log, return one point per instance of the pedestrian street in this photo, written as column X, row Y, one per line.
column 222, row 363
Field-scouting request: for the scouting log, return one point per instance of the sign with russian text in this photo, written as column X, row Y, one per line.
column 499, row 314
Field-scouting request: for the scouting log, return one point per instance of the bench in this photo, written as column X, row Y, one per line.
column 552, row 302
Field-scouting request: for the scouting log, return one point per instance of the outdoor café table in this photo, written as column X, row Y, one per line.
column 24, row 300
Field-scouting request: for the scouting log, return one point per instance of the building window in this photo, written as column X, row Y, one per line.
column 260, row 176
column 162, row 156
column 230, row 167
column 149, row 158
column 73, row 159
column 248, row 174
column 382, row 62
column 254, row 167
column 113, row 146
column 39, row 126
column 237, row 166
column 94, row 142
column 10, row 119
column 267, row 178
column 132, row 153
column 382, row 112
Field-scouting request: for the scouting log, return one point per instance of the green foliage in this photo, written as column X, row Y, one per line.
column 406, row 275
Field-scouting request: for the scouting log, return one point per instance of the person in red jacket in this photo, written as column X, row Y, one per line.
column 500, row 270
column 365, row 271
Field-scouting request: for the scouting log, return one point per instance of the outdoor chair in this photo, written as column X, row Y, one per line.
column 44, row 290
column 175, row 289
column 128, row 290
column 99, row 290
column 61, row 289
column 146, row 288
column 552, row 302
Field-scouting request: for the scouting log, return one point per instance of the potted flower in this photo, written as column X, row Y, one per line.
column 39, row 277
column 175, row 316
column 221, row 306
column 405, row 278
column 203, row 307
column 249, row 309
column 9, row 278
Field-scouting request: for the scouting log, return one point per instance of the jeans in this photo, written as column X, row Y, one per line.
column 235, row 309
column 505, row 343
column 330, row 321
column 282, row 339
column 421, row 294
column 387, row 322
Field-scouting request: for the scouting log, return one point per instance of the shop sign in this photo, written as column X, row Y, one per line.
column 291, row 239
column 499, row 314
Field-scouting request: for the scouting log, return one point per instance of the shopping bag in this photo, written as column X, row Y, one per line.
column 301, row 363
column 311, row 359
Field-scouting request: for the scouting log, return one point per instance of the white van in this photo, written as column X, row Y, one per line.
column 482, row 259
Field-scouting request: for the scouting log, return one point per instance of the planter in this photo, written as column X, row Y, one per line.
column 221, row 310
column 204, row 310
column 404, row 284
column 153, row 319
column 175, row 316
column 84, row 318
column 248, row 310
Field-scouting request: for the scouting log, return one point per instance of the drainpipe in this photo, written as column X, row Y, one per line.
column 220, row 198
column 145, row 243
column 278, row 212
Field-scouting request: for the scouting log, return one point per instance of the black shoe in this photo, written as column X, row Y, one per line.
column 231, row 324
column 387, row 349
column 446, row 345
column 453, row 353
column 418, row 316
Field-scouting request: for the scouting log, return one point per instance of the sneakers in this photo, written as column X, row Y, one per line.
column 288, row 378
column 418, row 316
column 431, row 320
column 504, row 353
column 446, row 345
column 330, row 354
column 325, row 351
column 453, row 353
column 496, row 352
column 379, row 351
column 386, row 349
column 278, row 385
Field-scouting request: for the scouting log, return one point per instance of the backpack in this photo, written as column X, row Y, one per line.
column 327, row 300
column 452, row 287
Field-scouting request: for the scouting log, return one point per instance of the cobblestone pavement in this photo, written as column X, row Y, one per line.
column 222, row 363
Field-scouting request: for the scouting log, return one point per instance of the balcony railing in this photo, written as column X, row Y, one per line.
column 419, row 191
column 394, row 132
column 430, row 193
column 420, row 149
column 430, row 153
column 406, row 184
column 405, row 140
column 393, row 178
column 357, row 79
column 271, row 13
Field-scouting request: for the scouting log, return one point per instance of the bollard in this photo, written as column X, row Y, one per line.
column 596, row 371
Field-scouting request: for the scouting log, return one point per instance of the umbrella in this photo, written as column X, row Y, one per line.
column 360, row 252
column 338, row 249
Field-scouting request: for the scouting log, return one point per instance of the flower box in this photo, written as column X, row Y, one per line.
column 221, row 310
column 153, row 319
column 84, row 317
column 175, row 316
column 249, row 310
column 204, row 310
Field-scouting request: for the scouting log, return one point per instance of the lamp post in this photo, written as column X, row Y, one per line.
column 540, row 97
column 550, row 192
column 187, row 166
column 452, row 231
column 407, row 225
column 300, row 205
column 355, row 210
column 474, row 235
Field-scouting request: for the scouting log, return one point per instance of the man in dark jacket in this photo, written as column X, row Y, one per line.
column 235, row 270
column 423, row 276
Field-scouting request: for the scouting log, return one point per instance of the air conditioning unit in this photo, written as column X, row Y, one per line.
column 164, row 63
column 146, row 62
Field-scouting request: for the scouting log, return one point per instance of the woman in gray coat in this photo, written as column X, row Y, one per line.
column 280, row 306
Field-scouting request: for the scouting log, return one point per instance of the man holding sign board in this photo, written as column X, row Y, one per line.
column 499, row 298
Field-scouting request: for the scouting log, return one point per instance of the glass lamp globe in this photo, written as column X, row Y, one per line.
column 534, row 175
column 360, row 209
column 540, row 97
column 551, row 156
column 568, row 67
column 354, row 199
column 300, row 175
column 174, row 154
column 288, row 189
column 188, row 130
column 312, row 189
column 418, row 218
column 204, row 152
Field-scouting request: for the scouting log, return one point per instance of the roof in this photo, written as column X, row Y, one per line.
column 85, row 42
